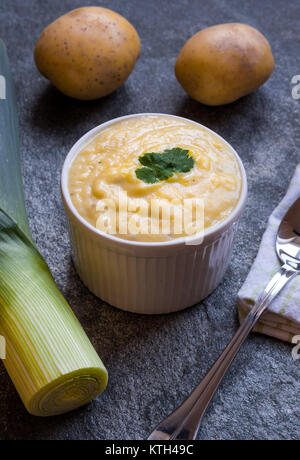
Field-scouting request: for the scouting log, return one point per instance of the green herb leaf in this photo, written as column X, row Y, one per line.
column 180, row 159
column 161, row 166
column 146, row 175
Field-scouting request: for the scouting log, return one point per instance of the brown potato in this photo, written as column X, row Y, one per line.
column 88, row 53
column 222, row 63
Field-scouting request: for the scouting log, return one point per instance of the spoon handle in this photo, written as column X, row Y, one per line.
column 184, row 422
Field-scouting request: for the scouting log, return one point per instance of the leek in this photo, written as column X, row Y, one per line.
column 49, row 358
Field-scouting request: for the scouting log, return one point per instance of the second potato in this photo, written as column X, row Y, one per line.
column 222, row 63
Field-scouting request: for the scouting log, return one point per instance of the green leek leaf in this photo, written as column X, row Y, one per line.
column 11, row 186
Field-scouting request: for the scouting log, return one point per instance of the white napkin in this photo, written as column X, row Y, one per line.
column 282, row 320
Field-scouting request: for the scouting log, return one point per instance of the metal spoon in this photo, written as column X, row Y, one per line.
column 184, row 422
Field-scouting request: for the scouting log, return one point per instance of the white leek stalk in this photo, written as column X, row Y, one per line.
column 49, row 358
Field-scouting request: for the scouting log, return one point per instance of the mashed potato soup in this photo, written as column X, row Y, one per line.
column 154, row 178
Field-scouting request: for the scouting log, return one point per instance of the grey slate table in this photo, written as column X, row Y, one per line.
column 154, row 362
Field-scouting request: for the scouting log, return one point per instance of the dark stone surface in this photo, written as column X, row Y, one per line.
column 154, row 362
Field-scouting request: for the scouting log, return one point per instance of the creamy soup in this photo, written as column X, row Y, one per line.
column 158, row 170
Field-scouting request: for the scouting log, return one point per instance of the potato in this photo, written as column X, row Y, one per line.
column 222, row 63
column 88, row 53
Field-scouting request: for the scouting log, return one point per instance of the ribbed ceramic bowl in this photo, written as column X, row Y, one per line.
column 148, row 278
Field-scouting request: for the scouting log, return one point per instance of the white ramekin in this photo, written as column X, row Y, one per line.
column 148, row 278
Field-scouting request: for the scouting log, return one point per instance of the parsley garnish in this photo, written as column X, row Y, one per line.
column 161, row 166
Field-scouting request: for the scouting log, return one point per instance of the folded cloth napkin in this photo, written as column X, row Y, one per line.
column 282, row 319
